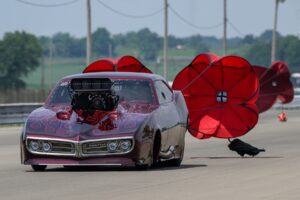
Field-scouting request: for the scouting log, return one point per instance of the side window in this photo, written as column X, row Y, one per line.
column 164, row 93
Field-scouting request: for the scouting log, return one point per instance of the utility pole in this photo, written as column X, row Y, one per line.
column 165, row 38
column 273, row 51
column 89, row 33
column 50, row 62
column 43, row 76
column 225, row 28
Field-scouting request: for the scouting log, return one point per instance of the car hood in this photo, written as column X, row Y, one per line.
column 46, row 122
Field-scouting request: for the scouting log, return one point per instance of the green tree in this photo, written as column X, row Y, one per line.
column 62, row 44
column 131, row 41
column 248, row 39
column 149, row 44
column 19, row 55
column 174, row 41
column 266, row 36
column 78, row 47
column 45, row 44
column 259, row 53
column 144, row 43
column 101, row 42
column 195, row 42
column 288, row 50
column 119, row 39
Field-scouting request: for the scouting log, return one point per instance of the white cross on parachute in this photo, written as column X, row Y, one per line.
column 222, row 96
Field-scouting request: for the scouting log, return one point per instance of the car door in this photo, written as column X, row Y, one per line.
column 167, row 115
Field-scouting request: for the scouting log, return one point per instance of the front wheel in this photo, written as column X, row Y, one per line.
column 39, row 167
column 156, row 150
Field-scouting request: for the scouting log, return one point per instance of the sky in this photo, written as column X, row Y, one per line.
column 245, row 17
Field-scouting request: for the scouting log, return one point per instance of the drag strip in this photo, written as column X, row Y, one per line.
column 209, row 171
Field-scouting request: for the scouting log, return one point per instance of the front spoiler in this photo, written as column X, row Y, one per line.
column 114, row 161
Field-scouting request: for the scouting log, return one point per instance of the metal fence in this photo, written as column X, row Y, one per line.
column 23, row 95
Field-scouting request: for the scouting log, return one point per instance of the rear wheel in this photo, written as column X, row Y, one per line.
column 39, row 167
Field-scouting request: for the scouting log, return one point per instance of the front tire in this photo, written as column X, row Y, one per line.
column 154, row 160
column 142, row 167
column 176, row 162
column 39, row 168
column 156, row 150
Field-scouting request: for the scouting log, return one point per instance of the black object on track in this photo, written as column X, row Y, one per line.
column 243, row 148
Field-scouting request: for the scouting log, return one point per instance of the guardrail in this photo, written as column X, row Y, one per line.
column 295, row 104
column 16, row 113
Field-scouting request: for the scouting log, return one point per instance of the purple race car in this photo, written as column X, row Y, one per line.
column 107, row 118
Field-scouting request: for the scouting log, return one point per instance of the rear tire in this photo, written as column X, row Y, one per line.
column 39, row 168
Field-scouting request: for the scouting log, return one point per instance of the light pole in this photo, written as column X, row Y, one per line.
column 273, row 51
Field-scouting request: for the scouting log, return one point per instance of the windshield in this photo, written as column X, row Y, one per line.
column 134, row 90
column 127, row 90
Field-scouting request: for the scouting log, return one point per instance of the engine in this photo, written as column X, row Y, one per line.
column 93, row 94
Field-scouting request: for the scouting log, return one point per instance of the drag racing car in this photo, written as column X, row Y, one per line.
column 118, row 113
column 107, row 118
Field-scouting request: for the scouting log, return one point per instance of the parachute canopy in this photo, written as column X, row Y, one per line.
column 122, row 64
column 274, row 84
column 220, row 94
column 103, row 65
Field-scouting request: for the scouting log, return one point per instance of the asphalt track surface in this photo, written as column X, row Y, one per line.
column 209, row 171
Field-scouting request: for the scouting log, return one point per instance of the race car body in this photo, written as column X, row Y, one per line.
column 107, row 118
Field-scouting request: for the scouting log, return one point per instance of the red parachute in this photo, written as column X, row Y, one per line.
column 274, row 84
column 220, row 94
column 103, row 65
column 131, row 64
column 122, row 64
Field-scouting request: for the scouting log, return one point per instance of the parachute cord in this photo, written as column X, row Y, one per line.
column 197, row 77
column 229, row 140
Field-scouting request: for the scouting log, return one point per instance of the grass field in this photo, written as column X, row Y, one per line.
column 54, row 71
column 60, row 67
